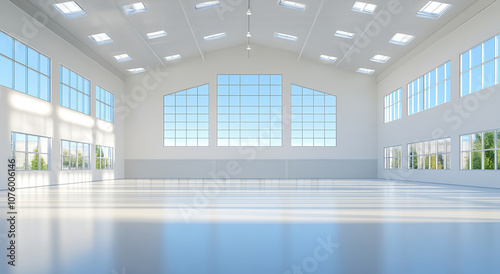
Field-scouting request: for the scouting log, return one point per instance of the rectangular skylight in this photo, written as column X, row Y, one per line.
column 365, row 71
column 206, row 5
column 101, row 38
column 122, row 57
column 156, row 34
column 344, row 34
column 401, row 39
column 364, row 7
column 173, row 57
column 380, row 58
column 285, row 36
column 215, row 36
column 433, row 9
column 70, row 9
column 136, row 70
column 292, row 5
column 134, row 8
column 328, row 58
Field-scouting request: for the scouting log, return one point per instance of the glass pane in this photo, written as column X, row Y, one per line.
column 465, row 143
column 465, row 160
column 44, row 145
column 477, row 141
column 476, row 79
column 489, row 159
column 33, row 83
column 6, row 69
column 498, row 139
column 66, row 162
column 44, row 88
column 44, row 162
column 33, row 59
column 20, row 76
column 32, row 161
column 489, row 140
column 20, row 144
column 6, row 45
column 440, row 161
column 489, row 50
column 476, row 56
column 65, row 148
column 20, row 161
column 32, row 143
column 498, row 159
column 20, row 52
column 477, row 158
column 44, row 65
column 489, row 74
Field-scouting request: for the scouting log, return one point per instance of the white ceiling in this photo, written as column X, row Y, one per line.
column 187, row 26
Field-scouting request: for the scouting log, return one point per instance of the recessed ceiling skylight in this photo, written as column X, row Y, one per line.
column 206, row 5
column 344, row 34
column 134, row 8
column 365, row 71
column 364, row 7
column 136, row 70
column 215, row 36
column 401, row 39
column 433, row 9
column 156, row 34
column 122, row 57
column 380, row 58
column 327, row 58
column 285, row 36
column 70, row 9
column 292, row 5
column 173, row 57
column 101, row 38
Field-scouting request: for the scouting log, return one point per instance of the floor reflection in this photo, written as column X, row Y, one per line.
column 255, row 226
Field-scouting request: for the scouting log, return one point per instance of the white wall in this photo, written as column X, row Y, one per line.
column 356, row 120
column 26, row 114
column 469, row 114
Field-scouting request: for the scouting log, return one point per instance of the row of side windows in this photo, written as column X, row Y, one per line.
column 33, row 152
column 249, row 113
column 478, row 151
column 479, row 69
column 26, row 70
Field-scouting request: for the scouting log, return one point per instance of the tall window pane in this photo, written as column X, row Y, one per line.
column 314, row 117
column 75, row 91
column 249, row 110
column 185, row 117
column 392, row 106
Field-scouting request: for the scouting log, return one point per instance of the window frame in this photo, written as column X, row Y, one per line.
column 98, row 158
column 495, row 60
column 447, row 161
column 392, row 106
column 426, row 89
column 389, row 157
column 333, row 140
column 76, row 89
column 98, row 112
column 28, row 68
column 69, row 155
column 184, row 141
column 26, row 153
column 274, row 132
column 483, row 150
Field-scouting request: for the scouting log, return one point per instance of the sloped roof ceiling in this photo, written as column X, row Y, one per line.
column 186, row 27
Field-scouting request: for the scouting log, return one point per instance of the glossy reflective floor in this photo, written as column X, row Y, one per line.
column 255, row 226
